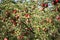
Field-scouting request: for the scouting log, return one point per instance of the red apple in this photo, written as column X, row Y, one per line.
column 54, row 2
column 57, row 1
column 14, row 11
column 5, row 39
column 58, row 17
column 15, row 23
column 27, row 15
column 43, row 5
column 30, row 28
column 46, row 5
column 17, row 16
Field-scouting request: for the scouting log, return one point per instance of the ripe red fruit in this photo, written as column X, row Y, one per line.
column 14, row 11
column 30, row 28
column 46, row 5
column 17, row 16
column 58, row 17
column 43, row 5
column 15, row 23
column 27, row 15
column 5, row 39
column 54, row 2
column 57, row 1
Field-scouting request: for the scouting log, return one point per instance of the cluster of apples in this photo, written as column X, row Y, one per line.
column 13, row 20
column 16, row 16
column 45, row 5
column 8, row 13
column 58, row 17
column 55, row 2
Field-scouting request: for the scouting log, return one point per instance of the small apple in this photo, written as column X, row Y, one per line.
column 43, row 5
column 58, row 17
column 27, row 15
column 46, row 5
column 5, row 39
column 30, row 28
column 15, row 23
column 14, row 11
column 17, row 16
column 54, row 3
column 57, row 1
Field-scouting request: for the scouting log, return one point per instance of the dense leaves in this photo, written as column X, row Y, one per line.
column 29, row 20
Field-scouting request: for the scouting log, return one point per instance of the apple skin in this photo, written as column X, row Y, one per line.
column 58, row 17
column 46, row 5
column 43, row 5
column 5, row 39
column 17, row 16
column 54, row 2
column 57, row 1
column 14, row 11
column 27, row 15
